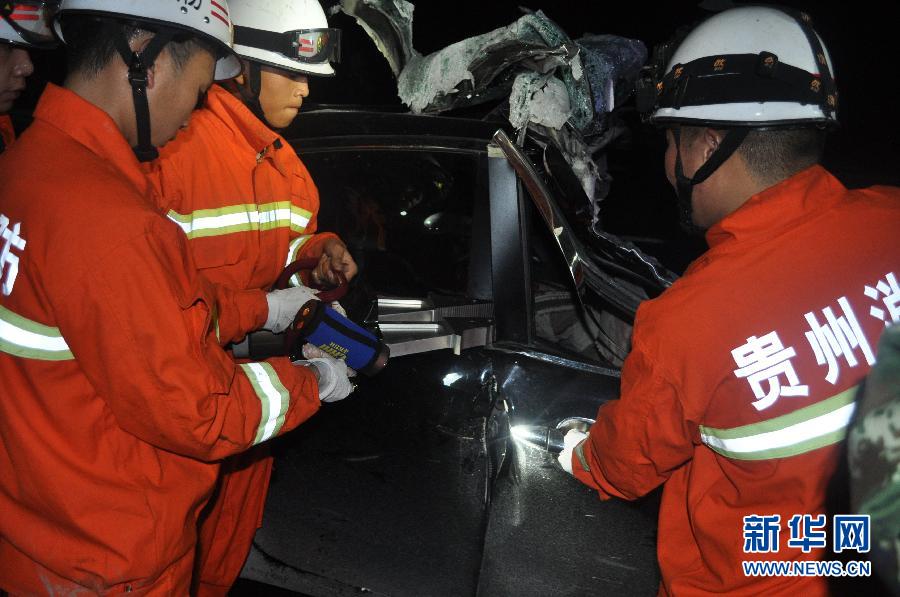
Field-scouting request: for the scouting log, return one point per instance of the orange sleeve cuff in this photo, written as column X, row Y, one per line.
column 314, row 247
column 238, row 313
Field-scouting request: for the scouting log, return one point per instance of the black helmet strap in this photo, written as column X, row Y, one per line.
column 747, row 78
column 138, row 65
column 251, row 89
column 684, row 186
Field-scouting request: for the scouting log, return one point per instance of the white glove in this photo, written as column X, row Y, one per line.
column 334, row 384
column 339, row 308
column 283, row 306
column 571, row 439
column 311, row 351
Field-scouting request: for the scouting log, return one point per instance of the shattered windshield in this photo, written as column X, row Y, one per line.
column 563, row 90
column 560, row 95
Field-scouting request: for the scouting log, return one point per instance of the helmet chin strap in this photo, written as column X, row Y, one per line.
column 138, row 65
column 684, row 186
column 251, row 89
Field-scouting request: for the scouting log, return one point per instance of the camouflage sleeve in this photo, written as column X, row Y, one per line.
column 874, row 454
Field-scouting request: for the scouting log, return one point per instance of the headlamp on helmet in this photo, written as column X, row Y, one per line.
column 648, row 86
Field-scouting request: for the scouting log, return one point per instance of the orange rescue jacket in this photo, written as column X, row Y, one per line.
column 734, row 394
column 240, row 193
column 117, row 400
column 248, row 207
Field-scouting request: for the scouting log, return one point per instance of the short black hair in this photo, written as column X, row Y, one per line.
column 91, row 43
column 774, row 154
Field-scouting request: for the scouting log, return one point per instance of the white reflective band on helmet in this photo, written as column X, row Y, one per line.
column 273, row 397
column 28, row 339
column 801, row 431
column 293, row 252
column 278, row 19
column 209, row 20
column 242, row 218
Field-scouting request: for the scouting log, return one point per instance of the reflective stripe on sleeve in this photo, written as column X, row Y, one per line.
column 241, row 218
column 293, row 252
column 28, row 339
column 804, row 430
column 273, row 398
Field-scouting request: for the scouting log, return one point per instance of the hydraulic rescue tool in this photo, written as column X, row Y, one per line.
column 550, row 439
column 318, row 324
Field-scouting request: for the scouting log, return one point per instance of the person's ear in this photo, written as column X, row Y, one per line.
column 711, row 139
column 241, row 79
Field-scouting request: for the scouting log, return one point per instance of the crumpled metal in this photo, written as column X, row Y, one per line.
column 484, row 68
column 611, row 64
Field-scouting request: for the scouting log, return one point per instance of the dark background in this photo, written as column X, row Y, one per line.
column 861, row 37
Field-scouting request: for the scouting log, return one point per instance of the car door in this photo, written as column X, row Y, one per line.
column 386, row 491
column 546, row 533
column 416, row 485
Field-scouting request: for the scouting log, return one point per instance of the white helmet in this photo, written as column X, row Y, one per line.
column 27, row 23
column 207, row 19
column 750, row 66
column 288, row 34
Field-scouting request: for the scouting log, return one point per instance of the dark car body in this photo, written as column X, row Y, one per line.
column 414, row 485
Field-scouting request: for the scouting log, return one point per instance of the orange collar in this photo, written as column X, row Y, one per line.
column 91, row 127
column 778, row 208
column 238, row 117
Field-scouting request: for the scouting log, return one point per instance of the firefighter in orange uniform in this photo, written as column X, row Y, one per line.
column 23, row 25
column 117, row 400
column 742, row 376
column 248, row 207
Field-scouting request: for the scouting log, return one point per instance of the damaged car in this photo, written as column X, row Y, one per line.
column 507, row 309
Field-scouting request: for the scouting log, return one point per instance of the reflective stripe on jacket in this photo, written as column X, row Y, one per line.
column 248, row 207
column 240, row 194
column 117, row 401
column 740, row 384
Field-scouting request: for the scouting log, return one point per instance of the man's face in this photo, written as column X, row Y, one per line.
column 281, row 95
column 15, row 65
column 175, row 93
